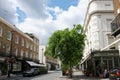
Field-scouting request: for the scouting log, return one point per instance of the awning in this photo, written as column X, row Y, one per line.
column 85, row 59
column 33, row 64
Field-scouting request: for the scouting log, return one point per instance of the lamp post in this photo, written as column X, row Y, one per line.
column 42, row 55
column 10, row 60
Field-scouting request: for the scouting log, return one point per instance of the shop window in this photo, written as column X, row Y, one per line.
column 17, row 66
column 116, row 62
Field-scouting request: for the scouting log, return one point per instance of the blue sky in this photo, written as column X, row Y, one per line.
column 63, row 4
column 43, row 17
column 21, row 15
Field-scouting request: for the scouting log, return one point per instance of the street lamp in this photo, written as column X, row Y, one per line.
column 42, row 55
column 10, row 59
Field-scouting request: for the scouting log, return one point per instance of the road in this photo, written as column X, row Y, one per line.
column 52, row 75
column 55, row 75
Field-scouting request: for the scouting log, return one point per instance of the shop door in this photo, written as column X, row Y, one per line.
column 108, row 64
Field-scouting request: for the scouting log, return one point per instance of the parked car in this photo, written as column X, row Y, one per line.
column 43, row 70
column 114, row 74
column 31, row 72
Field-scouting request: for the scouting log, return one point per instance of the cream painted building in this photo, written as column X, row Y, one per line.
column 98, row 35
column 49, row 61
column 42, row 58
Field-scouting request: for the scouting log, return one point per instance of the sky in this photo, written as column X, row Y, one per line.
column 43, row 17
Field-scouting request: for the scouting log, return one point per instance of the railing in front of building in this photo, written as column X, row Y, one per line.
column 115, row 25
column 2, row 54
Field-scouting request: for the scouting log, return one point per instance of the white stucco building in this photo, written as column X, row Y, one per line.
column 98, row 35
column 42, row 58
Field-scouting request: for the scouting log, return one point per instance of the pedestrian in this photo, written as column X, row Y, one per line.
column 105, row 73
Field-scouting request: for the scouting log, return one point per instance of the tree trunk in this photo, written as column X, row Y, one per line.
column 70, row 70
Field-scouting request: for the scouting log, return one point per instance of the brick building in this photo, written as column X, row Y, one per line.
column 16, row 47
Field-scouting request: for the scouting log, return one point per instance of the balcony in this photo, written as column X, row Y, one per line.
column 115, row 26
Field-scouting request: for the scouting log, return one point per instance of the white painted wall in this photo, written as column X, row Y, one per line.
column 42, row 49
column 97, row 25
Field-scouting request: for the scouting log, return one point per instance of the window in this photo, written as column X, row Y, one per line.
column 17, row 66
column 0, row 44
column 1, row 31
column 8, row 49
column 31, row 55
column 107, row 5
column 27, row 44
column 34, row 48
column 16, row 51
column 23, row 42
column 21, row 53
column 108, row 23
column 9, row 35
column 16, row 39
column 118, row 11
column 31, row 47
column 27, row 54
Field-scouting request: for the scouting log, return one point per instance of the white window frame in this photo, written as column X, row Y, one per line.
column 17, row 39
column 23, row 42
column 9, row 35
column 22, row 53
column 16, row 51
column 8, row 49
column 27, row 54
column 31, row 55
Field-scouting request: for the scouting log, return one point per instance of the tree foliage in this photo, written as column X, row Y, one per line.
column 67, row 45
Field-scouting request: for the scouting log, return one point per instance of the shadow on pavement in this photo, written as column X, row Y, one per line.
column 81, row 77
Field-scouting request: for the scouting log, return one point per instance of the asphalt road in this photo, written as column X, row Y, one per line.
column 52, row 75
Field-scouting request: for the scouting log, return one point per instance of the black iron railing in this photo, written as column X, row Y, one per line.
column 115, row 25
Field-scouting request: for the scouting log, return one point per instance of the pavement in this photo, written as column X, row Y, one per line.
column 78, row 75
column 12, row 76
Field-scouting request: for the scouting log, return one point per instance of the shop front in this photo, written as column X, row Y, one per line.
column 3, row 66
column 101, row 60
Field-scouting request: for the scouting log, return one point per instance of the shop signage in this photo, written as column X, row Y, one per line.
column 105, row 54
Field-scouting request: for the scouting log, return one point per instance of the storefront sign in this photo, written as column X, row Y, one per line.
column 105, row 54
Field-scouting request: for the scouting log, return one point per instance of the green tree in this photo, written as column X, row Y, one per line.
column 67, row 45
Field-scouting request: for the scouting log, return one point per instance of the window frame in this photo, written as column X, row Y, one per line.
column 9, row 35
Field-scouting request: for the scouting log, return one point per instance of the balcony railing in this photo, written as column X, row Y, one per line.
column 115, row 25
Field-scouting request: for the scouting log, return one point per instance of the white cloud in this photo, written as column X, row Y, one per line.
column 74, row 15
column 33, row 8
column 8, row 11
column 39, row 20
column 42, row 28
